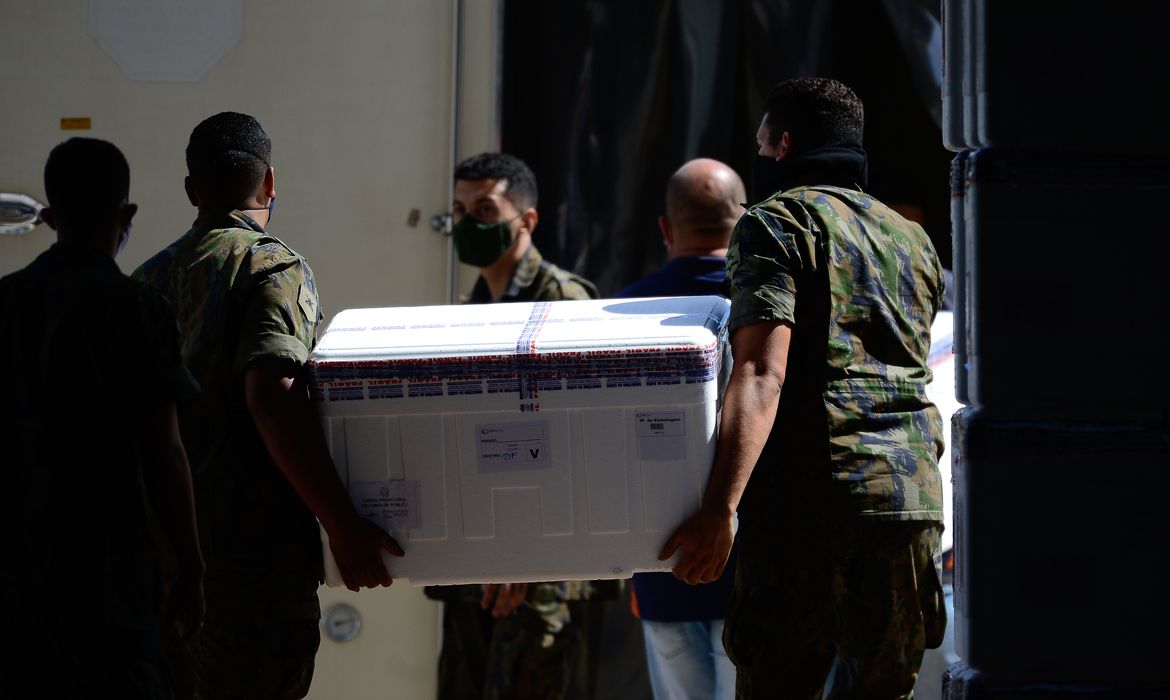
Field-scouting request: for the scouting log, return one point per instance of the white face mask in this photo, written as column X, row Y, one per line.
column 123, row 238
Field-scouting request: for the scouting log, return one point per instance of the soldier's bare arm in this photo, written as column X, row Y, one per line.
column 167, row 477
column 749, row 409
column 278, row 401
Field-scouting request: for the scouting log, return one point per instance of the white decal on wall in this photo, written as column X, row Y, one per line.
column 166, row 40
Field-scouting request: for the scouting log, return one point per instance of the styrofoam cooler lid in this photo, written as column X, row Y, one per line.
column 468, row 330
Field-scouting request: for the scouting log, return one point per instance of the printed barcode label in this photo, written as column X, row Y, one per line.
column 661, row 435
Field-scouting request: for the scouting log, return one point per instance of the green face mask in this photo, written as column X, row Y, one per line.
column 479, row 244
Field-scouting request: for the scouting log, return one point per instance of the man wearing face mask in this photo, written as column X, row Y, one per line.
column 682, row 624
column 89, row 438
column 515, row 640
column 828, row 445
column 248, row 313
column 495, row 215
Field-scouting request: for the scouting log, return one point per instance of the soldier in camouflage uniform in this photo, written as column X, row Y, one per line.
column 535, row 279
column 495, row 215
column 512, row 640
column 248, row 314
column 89, row 446
column 828, row 447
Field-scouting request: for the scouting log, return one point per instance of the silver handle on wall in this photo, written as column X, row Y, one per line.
column 19, row 213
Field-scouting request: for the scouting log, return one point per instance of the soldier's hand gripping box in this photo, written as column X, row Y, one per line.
column 524, row 442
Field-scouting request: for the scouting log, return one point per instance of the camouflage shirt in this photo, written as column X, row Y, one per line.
column 240, row 295
column 536, row 279
column 860, row 286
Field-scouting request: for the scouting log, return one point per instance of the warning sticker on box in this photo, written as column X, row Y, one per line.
column 392, row 504
column 662, row 435
column 508, row 447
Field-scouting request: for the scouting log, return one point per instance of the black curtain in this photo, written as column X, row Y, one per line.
column 606, row 98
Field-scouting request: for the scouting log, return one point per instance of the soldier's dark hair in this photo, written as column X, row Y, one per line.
column 519, row 182
column 816, row 112
column 227, row 157
column 86, row 178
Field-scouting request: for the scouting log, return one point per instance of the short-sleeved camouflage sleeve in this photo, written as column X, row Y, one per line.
column 764, row 262
column 282, row 312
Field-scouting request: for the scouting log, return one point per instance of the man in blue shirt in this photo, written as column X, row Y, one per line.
column 704, row 199
column 683, row 624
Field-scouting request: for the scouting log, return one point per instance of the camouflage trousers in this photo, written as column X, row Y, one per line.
column 835, row 608
column 536, row 653
column 256, row 642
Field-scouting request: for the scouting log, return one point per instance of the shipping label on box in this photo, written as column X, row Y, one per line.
column 392, row 504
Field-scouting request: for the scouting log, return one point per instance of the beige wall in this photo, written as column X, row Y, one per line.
column 358, row 102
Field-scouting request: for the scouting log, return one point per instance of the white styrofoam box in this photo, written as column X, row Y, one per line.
column 527, row 441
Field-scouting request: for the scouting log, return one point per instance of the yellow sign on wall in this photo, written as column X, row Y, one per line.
column 76, row 123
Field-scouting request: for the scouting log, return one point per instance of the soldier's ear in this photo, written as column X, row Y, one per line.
column 528, row 220
column 784, row 146
column 667, row 232
column 126, row 215
column 49, row 217
column 192, row 195
column 268, row 187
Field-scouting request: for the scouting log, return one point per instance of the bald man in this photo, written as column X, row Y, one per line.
column 683, row 624
column 704, row 199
